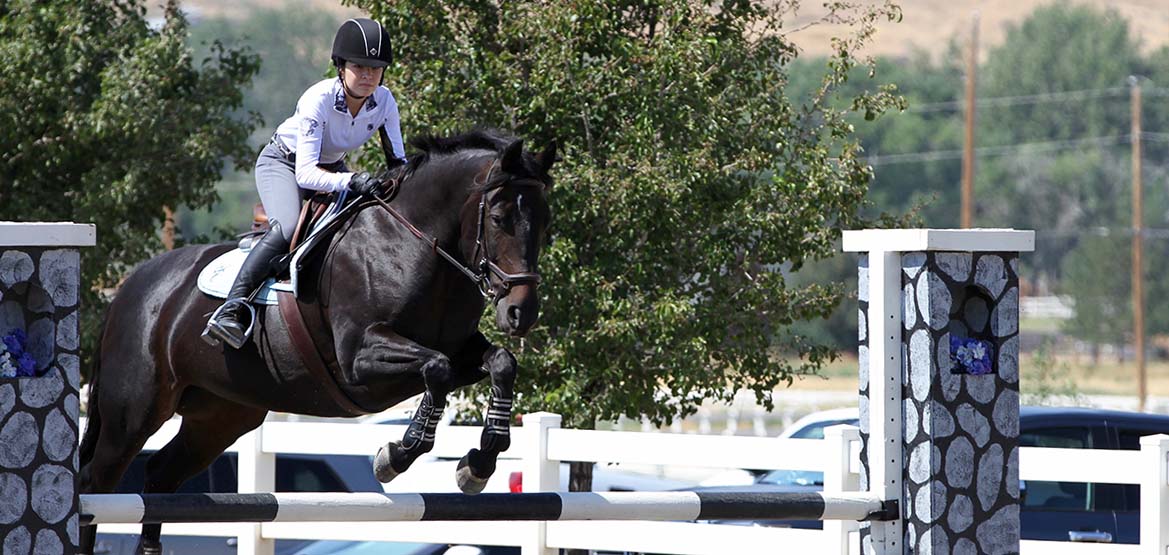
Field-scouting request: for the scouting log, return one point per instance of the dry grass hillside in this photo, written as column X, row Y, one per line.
column 928, row 24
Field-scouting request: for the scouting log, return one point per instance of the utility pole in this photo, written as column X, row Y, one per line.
column 1138, row 282
column 968, row 147
column 168, row 228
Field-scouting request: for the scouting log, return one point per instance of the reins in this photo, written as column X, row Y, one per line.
column 482, row 278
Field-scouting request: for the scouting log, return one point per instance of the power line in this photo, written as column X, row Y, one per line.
column 1059, row 96
column 1024, row 148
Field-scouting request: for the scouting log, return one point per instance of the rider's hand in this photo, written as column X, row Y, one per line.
column 363, row 183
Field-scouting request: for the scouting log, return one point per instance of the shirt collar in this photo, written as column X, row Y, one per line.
column 339, row 99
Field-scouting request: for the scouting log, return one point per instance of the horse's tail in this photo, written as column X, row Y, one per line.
column 93, row 428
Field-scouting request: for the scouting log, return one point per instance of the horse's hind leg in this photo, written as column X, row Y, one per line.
column 479, row 464
column 210, row 425
column 122, row 433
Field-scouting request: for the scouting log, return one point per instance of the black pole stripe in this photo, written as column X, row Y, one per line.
column 492, row 506
column 209, row 507
column 760, row 506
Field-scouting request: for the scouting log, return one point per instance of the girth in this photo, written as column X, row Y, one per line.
column 324, row 369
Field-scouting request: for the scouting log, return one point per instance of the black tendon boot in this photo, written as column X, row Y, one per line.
column 226, row 324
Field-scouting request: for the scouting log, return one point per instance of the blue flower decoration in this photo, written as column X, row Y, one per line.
column 970, row 356
column 14, row 342
column 15, row 360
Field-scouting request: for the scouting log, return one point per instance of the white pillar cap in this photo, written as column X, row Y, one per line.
column 916, row 240
column 47, row 234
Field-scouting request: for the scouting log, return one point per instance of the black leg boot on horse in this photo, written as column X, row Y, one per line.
column 226, row 324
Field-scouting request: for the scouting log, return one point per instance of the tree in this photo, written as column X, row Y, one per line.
column 1075, row 181
column 294, row 42
column 1098, row 281
column 690, row 179
column 108, row 121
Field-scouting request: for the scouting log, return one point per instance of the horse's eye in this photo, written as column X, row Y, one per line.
column 497, row 220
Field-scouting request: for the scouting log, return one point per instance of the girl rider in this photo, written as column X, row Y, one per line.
column 332, row 118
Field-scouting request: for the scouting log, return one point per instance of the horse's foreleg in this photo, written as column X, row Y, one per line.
column 479, row 464
column 382, row 347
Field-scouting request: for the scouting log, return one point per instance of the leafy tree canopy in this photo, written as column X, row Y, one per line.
column 1066, row 168
column 106, row 120
column 690, row 179
column 294, row 42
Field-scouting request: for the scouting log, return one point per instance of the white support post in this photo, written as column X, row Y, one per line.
column 1155, row 495
column 924, row 291
column 256, row 474
column 885, row 381
column 539, row 474
column 839, row 477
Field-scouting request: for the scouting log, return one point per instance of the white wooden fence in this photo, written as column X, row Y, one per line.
column 541, row 445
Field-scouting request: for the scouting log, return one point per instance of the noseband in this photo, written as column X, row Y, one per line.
column 486, row 267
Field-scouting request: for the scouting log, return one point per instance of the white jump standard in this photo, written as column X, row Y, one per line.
column 939, row 386
column 938, row 403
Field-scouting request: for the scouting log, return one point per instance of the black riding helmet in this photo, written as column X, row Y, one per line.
column 362, row 41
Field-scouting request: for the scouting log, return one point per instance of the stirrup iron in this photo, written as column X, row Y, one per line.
column 213, row 322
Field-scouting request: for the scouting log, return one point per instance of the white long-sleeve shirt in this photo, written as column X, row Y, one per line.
column 322, row 131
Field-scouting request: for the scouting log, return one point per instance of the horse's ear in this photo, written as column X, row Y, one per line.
column 546, row 158
column 512, row 160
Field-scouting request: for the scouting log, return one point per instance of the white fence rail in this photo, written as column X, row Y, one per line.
column 541, row 445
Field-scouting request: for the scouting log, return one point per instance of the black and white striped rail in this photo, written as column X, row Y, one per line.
column 378, row 507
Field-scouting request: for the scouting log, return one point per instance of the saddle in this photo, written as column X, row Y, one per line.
column 310, row 214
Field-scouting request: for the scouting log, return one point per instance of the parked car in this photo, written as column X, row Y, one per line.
column 1056, row 511
column 294, row 473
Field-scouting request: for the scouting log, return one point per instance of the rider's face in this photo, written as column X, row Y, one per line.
column 362, row 80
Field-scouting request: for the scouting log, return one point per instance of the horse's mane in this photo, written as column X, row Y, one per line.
column 492, row 140
column 485, row 139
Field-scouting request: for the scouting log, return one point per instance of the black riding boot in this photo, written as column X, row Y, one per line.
column 227, row 325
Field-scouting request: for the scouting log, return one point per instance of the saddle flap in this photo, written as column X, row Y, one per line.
column 217, row 277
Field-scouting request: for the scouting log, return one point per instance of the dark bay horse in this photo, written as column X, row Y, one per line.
column 401, row 321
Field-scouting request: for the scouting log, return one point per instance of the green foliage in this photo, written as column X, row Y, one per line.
column 1060, row 47
column 1081, row 179
column 689, row 178
column 1049, row 382
column 1098, row 279
column 106, row 120
column 294, row 41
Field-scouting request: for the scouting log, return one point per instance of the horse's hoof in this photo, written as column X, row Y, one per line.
column 382, row 469
column 469, row 483
column 149, row 548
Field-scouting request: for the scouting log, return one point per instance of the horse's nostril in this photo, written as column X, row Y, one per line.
column 513, row 314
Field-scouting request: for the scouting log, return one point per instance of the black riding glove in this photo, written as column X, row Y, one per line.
column 363, row 183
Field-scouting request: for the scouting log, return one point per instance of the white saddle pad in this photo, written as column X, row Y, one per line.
column 217, row 277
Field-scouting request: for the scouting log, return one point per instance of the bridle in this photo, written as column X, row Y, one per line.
column 485, row 267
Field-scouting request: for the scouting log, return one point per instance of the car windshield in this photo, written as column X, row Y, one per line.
column 815, row 430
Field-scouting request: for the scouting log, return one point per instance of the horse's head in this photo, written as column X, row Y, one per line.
column 509, row 217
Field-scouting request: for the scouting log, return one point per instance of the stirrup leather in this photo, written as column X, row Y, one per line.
column 214, row 332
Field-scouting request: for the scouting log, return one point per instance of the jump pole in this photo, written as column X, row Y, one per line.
column 939, row 439
column 387, row 507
